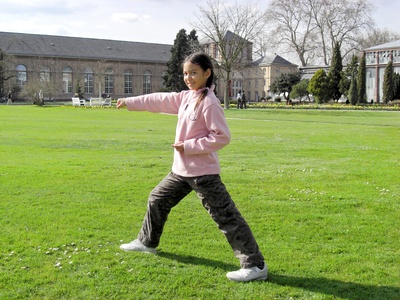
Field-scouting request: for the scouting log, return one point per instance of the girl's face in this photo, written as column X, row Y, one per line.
column 194, row 76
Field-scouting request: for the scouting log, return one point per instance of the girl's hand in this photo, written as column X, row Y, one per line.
column 121, row 103
column 178, row 146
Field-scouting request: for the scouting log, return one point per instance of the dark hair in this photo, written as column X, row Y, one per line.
column 204, row 61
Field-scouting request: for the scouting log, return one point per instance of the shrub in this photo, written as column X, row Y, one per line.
column 319, row 86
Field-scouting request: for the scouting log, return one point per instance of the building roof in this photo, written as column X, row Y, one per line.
column 229, row 36
column 272, row 60
column 22, row 44
column 389, row 45
column 307, row 72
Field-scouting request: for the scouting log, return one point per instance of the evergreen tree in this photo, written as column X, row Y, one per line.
column 299, row 90
column 345, row 84
column 319, row 86
column 194, row 43
column 335, row 73
column 352, row 73
column 347, row 75
column 388, row 83
column 284, row 83
column 396, row 86
column 353, row 94
column 361, row 81
column 352, row 68
column 183, row 46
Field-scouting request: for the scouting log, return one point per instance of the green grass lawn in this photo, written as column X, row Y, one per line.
column 320, row 190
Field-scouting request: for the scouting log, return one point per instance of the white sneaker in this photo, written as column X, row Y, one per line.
column 136, row 245
column 249, row 274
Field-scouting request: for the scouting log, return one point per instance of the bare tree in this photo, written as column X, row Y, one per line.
column 311, row 28
column 344, row 21
column 42, row 81
column 378, row 36
column 292, row 27
column 262, row 45
column 5, row 75
column 318, row 13
column 232, row 28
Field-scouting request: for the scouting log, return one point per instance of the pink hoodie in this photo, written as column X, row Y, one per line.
column 203, row 131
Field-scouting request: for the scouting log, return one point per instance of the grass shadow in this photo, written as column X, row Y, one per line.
column 193, row 260
column 337, row 288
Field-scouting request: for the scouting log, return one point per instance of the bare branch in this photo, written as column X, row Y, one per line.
column 232, row 29
column 292, row 26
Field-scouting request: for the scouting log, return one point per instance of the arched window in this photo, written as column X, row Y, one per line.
column 67, row 80
column 21, row 76
column 147, row 82
column 88, row 81
column 128, row 82
column 109, row 82
column 45, row 74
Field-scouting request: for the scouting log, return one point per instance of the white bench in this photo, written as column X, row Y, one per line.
column 78, row 102
column 95, row 101
column 107, row 101
column 100, row 101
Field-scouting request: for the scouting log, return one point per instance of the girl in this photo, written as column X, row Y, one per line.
column 201, row 131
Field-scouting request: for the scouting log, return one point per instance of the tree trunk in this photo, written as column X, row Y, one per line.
column 226, row 92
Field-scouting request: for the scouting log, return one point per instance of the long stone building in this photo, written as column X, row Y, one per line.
column 377, row 58
column 61, row 66
column 118, row 68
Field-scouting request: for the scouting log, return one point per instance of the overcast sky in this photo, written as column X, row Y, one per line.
column 154, row 21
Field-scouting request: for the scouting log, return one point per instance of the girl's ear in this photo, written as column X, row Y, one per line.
column 208, row 72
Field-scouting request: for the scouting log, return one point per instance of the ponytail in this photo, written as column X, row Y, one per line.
column 201, row 97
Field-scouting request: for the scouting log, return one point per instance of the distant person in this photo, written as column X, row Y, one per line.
column 243, row 102
column 238, row 99
column 9, row 97
column 201, row 131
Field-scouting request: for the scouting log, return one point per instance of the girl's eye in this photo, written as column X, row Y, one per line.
column 189, row 74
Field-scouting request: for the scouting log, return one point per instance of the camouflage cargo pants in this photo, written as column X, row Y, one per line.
column 215, row 199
